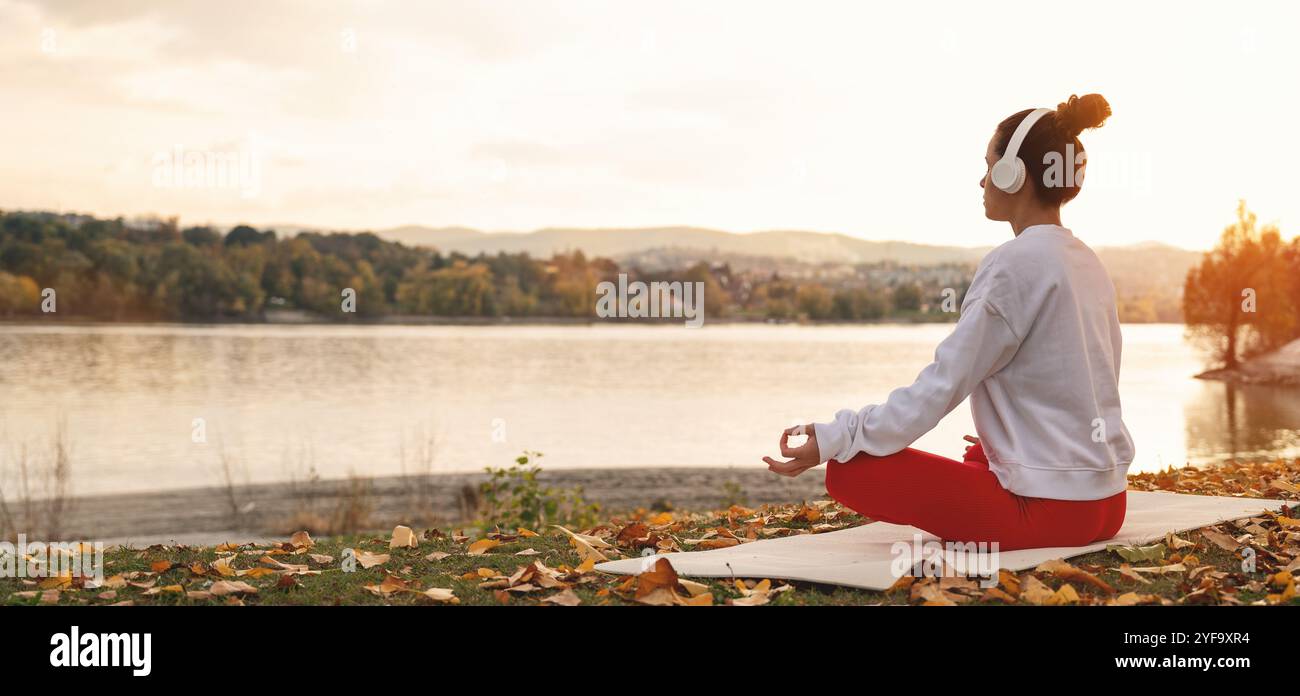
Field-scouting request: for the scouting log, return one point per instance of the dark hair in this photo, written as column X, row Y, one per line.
column 1053, row 133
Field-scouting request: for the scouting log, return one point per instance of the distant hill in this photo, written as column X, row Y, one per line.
column 1148, row 276
column 806, row 247
column 1148, row 267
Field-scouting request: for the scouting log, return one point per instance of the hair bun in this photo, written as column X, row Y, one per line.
column 1078, row 113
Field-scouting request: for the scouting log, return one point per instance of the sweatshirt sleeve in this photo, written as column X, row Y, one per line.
column 980, row 345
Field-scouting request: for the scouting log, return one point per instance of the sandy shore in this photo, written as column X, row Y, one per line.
column 261, row 511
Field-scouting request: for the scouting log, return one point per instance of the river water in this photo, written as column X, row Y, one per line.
column 150, row 407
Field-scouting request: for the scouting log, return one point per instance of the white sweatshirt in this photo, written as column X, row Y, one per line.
column 1037, row 349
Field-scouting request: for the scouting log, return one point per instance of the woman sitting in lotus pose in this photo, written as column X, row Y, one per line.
column 1037, row 349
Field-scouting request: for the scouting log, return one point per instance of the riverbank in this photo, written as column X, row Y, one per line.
column 1281, row 368
column 210, row 515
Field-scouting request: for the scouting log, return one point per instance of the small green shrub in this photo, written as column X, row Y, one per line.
column 513, row 497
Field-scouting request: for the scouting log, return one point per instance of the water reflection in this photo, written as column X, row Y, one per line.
column 1243, row 422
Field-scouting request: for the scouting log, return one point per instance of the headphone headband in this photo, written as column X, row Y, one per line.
column 1008, row 173
column 1022, row 132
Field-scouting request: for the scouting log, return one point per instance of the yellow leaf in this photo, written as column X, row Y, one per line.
column 694, row 588
column 391, row 584
column 1034, row 591
column 403, row 537
column 55, row 582
column 222, row 566
column 482, row 546
column 370, row 560
column 1065, row 595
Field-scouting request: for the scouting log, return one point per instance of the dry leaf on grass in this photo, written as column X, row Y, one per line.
column 370, row 560
column 1033, row 590
column 287, row 568
column 1223, row 541
column 390, row 584
column 439, row 594
column 1129, row 599
column 761, row 593
column 1064, row 595
column 928, row 594
column 482, row 546
column 564, row 598
column 221, row 588
column 1066, row 571
column 403, row 538
column 1171, row 568
column 587, row 544
column 224, row 567
column 1127, row 571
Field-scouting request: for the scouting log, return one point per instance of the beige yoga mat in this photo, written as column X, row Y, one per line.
column 867, row 557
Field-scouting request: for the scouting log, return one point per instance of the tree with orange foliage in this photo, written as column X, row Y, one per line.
column 1243, row 299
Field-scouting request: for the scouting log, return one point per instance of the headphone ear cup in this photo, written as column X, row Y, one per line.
column 1005, row 174
column 1020, row 176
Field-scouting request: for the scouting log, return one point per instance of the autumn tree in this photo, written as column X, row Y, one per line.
column 1241, row 299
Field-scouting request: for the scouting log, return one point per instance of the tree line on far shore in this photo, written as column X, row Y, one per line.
column 1243, row 299
column 109, row 270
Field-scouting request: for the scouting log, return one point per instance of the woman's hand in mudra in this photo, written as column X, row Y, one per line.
column 804, row 457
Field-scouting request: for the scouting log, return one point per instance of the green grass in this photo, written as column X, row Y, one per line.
column 334, row 586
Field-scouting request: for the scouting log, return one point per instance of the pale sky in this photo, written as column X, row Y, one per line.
column 850, row 117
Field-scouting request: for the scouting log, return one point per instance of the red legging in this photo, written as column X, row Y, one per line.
column 964, row 502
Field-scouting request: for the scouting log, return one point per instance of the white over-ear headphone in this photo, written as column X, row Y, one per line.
column 1008, row 173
